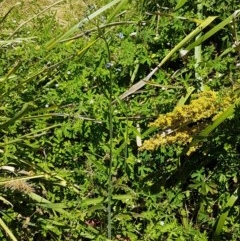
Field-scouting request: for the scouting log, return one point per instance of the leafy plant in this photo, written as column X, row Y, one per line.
column 76, row 103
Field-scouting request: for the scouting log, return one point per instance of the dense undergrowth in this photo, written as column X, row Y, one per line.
column 123, row 125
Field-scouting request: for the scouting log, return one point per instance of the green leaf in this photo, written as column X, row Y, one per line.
column 7, row 230
column 95, row 201
column 41, row 201
column 180, row 4
column 210, row 33
column 226, row 114
column 184, row 99
column 117, row 9
column 220, row 223
column 149, row 131
column 24, row 109
column 142, row 83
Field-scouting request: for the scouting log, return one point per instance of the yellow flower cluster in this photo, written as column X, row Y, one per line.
column 184, row 122
column 200, row 108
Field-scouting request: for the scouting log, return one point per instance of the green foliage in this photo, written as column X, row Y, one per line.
column 76, row 104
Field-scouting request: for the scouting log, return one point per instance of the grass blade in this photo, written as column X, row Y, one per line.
column 227, row 113
column 141, row 83
column 180, row 4
column 117, row 9
column 76, row 27
column 224, row 215
column 184, row 99
column 24, row 109
column 213, row 31
column 7, row 230
column 48, row 204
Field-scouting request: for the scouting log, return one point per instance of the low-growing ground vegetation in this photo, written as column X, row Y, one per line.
column 119, row 120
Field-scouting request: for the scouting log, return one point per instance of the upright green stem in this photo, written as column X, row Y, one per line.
column 198, row 49
column 110, row 187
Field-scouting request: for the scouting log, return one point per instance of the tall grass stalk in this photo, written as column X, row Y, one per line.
column 110, row 114
column 7, row 230
column 198, row 49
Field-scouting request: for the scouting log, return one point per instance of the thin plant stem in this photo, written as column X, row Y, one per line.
column 198, row 49
column 110, row 114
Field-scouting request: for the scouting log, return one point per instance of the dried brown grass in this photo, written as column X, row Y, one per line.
column 66, row 11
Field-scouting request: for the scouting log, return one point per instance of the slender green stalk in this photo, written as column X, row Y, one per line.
column 110, row 114
column 198, row 49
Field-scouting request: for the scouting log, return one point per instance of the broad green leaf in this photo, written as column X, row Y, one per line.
column 219, row 228
column 195, row 32
column 7, row 230
column 222, row 117
column 43, row 201
column 210, row 33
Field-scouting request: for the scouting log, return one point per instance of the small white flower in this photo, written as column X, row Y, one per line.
column 68, row 72
column 120, row 35
column 46, row 105
column 183, row 52
column 56, row 85
column 133, row 34
column 162, row 223
column 108, row 65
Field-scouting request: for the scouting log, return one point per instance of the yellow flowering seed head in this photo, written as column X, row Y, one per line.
column 208, row 104
column 201, row 108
